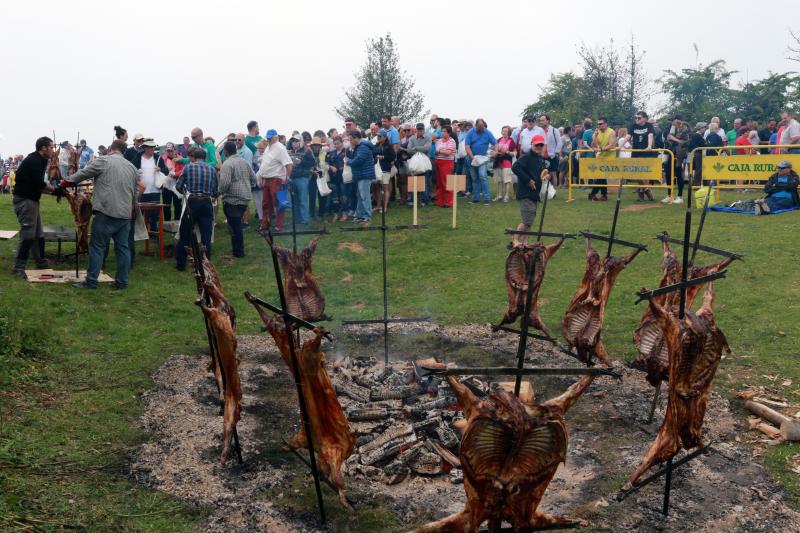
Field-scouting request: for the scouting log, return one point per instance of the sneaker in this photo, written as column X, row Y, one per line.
column 678, row 200
column 592, row 198
column 666, row 200
column 757, row 209
column 42, row 264
column 497, row 198
column 20, row 273
column 486, row 203
column 83, row 285
column 505, row 199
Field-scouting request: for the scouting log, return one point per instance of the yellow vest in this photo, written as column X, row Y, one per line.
column 602, row 140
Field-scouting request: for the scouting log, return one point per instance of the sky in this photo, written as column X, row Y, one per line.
column 161, row 68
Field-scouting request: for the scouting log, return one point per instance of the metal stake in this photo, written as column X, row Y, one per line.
column 655, row 402
column 614, row 221
column 700, row 227
column 296, row 373
column 385, row 289
column 667, row 488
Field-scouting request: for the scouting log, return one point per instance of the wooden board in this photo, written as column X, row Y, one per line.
column 49, row 275
column 8, row 234
column 456, row 182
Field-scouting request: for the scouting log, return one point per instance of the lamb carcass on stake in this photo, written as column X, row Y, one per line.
column 518, row 265
column 221, row 320
column 304, row 298
column 653, row 356
column 695, row 345
column 509, row 454
column 80, row 203
column 583, row 320
column 332, row 438
column 54, row 168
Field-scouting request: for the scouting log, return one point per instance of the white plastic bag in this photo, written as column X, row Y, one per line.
column 547, row 189
column 378, row 170
column 347, row 174
column 419, row 164
column 479, row 160
column 322, row 186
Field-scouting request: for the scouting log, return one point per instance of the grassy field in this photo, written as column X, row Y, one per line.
column 73, row 364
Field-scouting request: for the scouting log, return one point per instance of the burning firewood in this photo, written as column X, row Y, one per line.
column 509, row 454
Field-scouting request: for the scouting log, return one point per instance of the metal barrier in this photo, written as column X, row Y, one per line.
column 735, row 171
column 643, row 170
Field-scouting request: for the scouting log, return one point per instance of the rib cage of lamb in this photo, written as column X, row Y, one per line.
column 304, row 298
column 583, row 320
column 518, row 266
column 222, row 322
column 509, row 454
column 695, row 345
column 653, row 357
column 332, row 437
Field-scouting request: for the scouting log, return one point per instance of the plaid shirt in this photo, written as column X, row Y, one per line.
column 236, row 180
column 198, row 179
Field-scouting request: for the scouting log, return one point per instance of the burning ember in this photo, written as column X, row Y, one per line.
column 404, row 423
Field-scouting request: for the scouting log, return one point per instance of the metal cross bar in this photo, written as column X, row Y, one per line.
column 543, row 234
column 510, row 371
column 387, row 320
column 498, row 327
column 548, row 527
column 275, row 309
column 709, row 249
column 646, row 295
column 384, row 227
column 197, row 254
column 616, row 241
column 675, row 464
column 322, row 231
column 700, row 227
column 287, row 321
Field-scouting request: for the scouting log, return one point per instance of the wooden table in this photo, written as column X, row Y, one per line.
column 146, row 208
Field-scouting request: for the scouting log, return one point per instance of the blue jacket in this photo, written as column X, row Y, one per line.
column 362, row 161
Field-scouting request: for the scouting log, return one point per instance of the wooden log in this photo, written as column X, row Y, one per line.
column 767, row 429
column 428, row 423
column 351, row 390
column 444, row 452
column 397, row 393
column 765, row 412
column 368, row 413
column 400, row 430
column 389, row 450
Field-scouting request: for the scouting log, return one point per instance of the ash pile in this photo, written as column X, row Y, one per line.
column 405, row 424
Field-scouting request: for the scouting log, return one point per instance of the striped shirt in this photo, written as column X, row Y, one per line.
column 236, row 179
column 449, row 144
column 198, row 179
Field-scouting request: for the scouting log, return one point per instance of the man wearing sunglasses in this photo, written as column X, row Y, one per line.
column 604, row 144
column 529, row 170
column 207, row 145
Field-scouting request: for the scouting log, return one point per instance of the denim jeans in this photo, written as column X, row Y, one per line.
column 364, row 206
column 313, row 195
column 152, row 214
column 203, row 215
column 300, row 200
column 234, row 215
column 105, row 228
column 339, row 199
column 480, row 182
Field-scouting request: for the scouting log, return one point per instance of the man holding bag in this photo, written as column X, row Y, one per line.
column 419, row 164
column 276, row 166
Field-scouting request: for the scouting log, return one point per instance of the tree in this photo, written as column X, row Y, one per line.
column 699, row 93
column 382, row 87
column 764, row 99
column 610, row 85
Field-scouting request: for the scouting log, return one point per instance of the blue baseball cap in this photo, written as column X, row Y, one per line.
column 271, row 134
column 383, row 133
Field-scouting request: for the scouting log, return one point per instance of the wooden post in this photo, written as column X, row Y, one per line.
column 414, row 183
column 456, row 183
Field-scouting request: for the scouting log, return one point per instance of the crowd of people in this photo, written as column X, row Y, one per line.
column 350, row 174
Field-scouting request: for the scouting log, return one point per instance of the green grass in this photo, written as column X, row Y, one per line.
column 69, row 405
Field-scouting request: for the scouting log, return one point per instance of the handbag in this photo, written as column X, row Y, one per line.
column 347, row 174
column 322, row 186
column 284, row 198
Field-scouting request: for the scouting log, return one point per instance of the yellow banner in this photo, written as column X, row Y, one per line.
column 629, row 168
column 744, row 167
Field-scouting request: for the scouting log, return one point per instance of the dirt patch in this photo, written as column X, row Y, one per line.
column 352, row 246
column 356, row 306
column 348, row 278
column 726, row 490
column 640, row 206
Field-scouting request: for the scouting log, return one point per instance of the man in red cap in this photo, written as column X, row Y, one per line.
column 529, row 170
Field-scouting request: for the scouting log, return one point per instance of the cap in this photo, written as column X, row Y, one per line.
column 271, row 134
column 316, row 140
column 785, row 164
column 700, row 125
column 420, row 126
column 150, row 143
column 138, row 137
column 383, row 133
column 530, row 118
column 64, row 144
column 537, row 139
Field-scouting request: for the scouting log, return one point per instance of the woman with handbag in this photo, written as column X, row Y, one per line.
column 340, row 195
column 384, row 153
column 445, row 164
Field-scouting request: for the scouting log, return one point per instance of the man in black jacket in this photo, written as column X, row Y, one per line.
column 28, row 190
column 529, row 170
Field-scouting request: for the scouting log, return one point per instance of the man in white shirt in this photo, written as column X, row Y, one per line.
column 276, row 167
column 525, row 136
column 147, row 175
column 553, row 144
column 791, row 132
